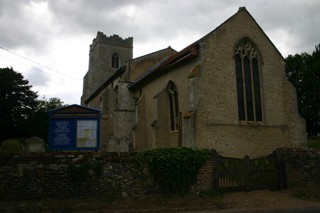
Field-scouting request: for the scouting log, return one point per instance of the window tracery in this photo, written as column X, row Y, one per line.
column 248, row 82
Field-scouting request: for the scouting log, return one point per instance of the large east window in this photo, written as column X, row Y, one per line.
column 248, row 82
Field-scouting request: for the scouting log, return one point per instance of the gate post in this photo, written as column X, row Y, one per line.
column 215, row 168
column 247, row 172
column 281, row 169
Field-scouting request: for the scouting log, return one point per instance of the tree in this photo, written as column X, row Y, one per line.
column 303, row 70
column 40, row 119
column 17, row 103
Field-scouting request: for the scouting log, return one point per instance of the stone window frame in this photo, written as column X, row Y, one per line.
column 115, row 60
column 248, row 79
column 173, row 106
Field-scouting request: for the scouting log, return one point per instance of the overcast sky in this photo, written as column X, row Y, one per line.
column 48, row 40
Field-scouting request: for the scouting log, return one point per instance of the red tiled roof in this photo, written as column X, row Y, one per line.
column 190, row 51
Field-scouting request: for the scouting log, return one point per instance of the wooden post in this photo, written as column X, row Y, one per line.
column 281, row 170
column 247, row 172
column 215, row 168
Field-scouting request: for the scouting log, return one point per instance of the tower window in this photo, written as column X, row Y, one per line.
column 174, row 106
column 248, row 82
column 115, row 60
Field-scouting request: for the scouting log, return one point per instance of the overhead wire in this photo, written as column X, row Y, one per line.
column 44, row 66
column 33, row 68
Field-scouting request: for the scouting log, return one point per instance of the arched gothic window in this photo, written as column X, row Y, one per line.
column 248, row 82
column 174, row 106
column 115, row 60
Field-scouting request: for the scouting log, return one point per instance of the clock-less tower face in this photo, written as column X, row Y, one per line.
column 106, row 55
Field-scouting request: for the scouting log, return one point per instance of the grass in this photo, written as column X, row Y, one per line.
column 314, row 143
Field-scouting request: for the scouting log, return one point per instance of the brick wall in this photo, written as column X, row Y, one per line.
column 205, row 177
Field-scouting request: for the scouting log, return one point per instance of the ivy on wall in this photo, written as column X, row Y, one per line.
column 175, row 170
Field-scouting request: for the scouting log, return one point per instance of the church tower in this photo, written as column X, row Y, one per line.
column 106, row 55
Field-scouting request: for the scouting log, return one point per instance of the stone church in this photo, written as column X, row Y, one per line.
column 227, row 91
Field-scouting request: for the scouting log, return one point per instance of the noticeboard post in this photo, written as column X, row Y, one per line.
column 74, row 127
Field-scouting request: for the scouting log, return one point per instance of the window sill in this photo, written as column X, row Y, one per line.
column 251, row 123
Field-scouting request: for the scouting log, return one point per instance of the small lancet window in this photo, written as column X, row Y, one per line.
column 115, row 60
column 248, row 82
column 174, row 106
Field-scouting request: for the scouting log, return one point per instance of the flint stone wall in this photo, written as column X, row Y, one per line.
column 68, row 176
column 86, row 175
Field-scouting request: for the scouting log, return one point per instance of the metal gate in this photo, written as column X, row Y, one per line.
column 235, row 174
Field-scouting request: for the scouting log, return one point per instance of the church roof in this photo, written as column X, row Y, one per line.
column 106, row 83
column 190, row 51
column 158, row 70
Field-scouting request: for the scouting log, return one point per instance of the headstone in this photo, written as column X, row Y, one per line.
column 123, row 145
column 112, row 144
column 34, row 144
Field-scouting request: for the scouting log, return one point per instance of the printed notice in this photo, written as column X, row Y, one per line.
column 62, row 132
column 86, row 133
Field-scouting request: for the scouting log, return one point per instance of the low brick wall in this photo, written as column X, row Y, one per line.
column 205, row 177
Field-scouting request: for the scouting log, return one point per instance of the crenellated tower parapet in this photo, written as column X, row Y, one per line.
column 114, row 40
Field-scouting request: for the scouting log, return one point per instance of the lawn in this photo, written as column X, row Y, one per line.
column 314, row 143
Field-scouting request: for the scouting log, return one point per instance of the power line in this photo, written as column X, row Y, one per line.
column 33, row 68
column 46, row 67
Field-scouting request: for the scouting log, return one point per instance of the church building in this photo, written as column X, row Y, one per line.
column 227, row 91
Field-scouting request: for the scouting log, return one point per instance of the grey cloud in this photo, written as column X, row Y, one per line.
column 85, row 15
column 19, row 27
column 37, row 77
column 152, row 20
column 299, row 19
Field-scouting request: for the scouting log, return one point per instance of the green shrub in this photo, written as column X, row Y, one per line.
column 174, row 169
column 11, row 146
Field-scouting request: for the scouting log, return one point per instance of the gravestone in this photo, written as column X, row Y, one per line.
column 123, row 145
column 112, row 144
column 34, row 144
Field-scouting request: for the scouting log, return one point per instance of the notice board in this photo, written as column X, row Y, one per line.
column 74, row 128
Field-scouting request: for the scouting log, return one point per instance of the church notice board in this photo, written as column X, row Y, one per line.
column 74, row 128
